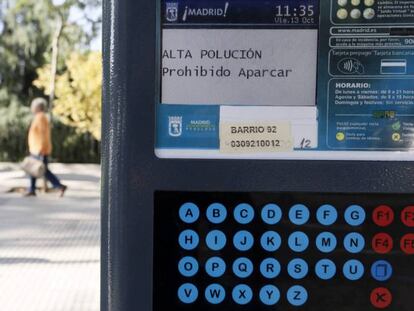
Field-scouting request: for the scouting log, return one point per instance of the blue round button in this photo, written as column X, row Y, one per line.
column 189, row 213
column 381, row 270
column 188, row 239
column 269, row 295
column 299, row 214
column 297, row 268
column 297, row 295
column 187, row 293
column 298, row 241
column 215, row 267
column 326, row 215
column 242, row 294
column 326, row 242
column 215, row 294
column 354, row 242
column 270, row 268
column 188, row 266
column 353, row 270
column 216, row 213
column 271, row 214
column 355, row 215
column 216, row 240
column 325, row 269
column 242, row 267
column 271, row 241
column 244, row 213
column 243, row 240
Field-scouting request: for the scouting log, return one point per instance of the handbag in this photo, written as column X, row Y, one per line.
column 33, row 166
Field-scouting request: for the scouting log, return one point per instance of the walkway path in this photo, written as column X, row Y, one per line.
column 49, row 246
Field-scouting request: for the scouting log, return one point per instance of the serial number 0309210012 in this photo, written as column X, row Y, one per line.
column 251, row 143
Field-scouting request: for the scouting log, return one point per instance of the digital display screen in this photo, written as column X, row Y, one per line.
column 290, row 79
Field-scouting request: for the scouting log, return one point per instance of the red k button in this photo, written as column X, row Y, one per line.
column 407, row 244
column 383, row 216
column 407, row 216
column 381, row 298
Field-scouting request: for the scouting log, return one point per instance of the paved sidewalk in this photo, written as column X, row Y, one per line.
column 49, row 246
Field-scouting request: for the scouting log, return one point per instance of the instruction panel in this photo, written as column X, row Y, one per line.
column 286, row 79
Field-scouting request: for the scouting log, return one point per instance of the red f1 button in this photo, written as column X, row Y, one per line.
column 383, row 216
column 382, row 243
column 381, row 298
column 407, row 216
column 407, row 244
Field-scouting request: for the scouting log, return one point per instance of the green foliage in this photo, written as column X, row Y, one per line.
column 78, row 92
column 68, row 145
column 27, row 28
column 14, row 124
column 26, row 31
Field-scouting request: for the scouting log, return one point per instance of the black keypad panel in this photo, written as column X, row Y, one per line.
column 283, row 251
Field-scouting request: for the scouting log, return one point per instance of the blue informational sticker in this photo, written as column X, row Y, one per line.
column 363, row 82
column 187, row 126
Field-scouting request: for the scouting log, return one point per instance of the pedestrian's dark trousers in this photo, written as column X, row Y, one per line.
column 49, row 176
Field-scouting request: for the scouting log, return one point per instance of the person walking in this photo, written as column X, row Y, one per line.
column 40, row 145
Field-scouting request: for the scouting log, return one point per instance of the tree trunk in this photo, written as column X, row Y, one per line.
column 54, row 63
column 53, row 72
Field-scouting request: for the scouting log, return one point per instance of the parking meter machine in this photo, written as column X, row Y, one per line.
column 257, row 155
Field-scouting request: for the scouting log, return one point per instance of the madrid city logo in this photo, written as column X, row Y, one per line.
column 175, row 126
column 205, row 12
column 171, row 11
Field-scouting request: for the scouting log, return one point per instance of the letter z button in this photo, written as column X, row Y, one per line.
column 297, row 295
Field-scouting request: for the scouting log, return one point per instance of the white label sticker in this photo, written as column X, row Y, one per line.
column 253, row 137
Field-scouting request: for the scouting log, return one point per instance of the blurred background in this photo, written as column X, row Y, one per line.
column 52, row 49
column 49, row 246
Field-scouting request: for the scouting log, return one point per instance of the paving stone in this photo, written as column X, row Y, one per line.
column 49, row 246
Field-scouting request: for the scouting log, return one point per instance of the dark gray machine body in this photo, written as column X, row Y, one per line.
column 132, row 173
